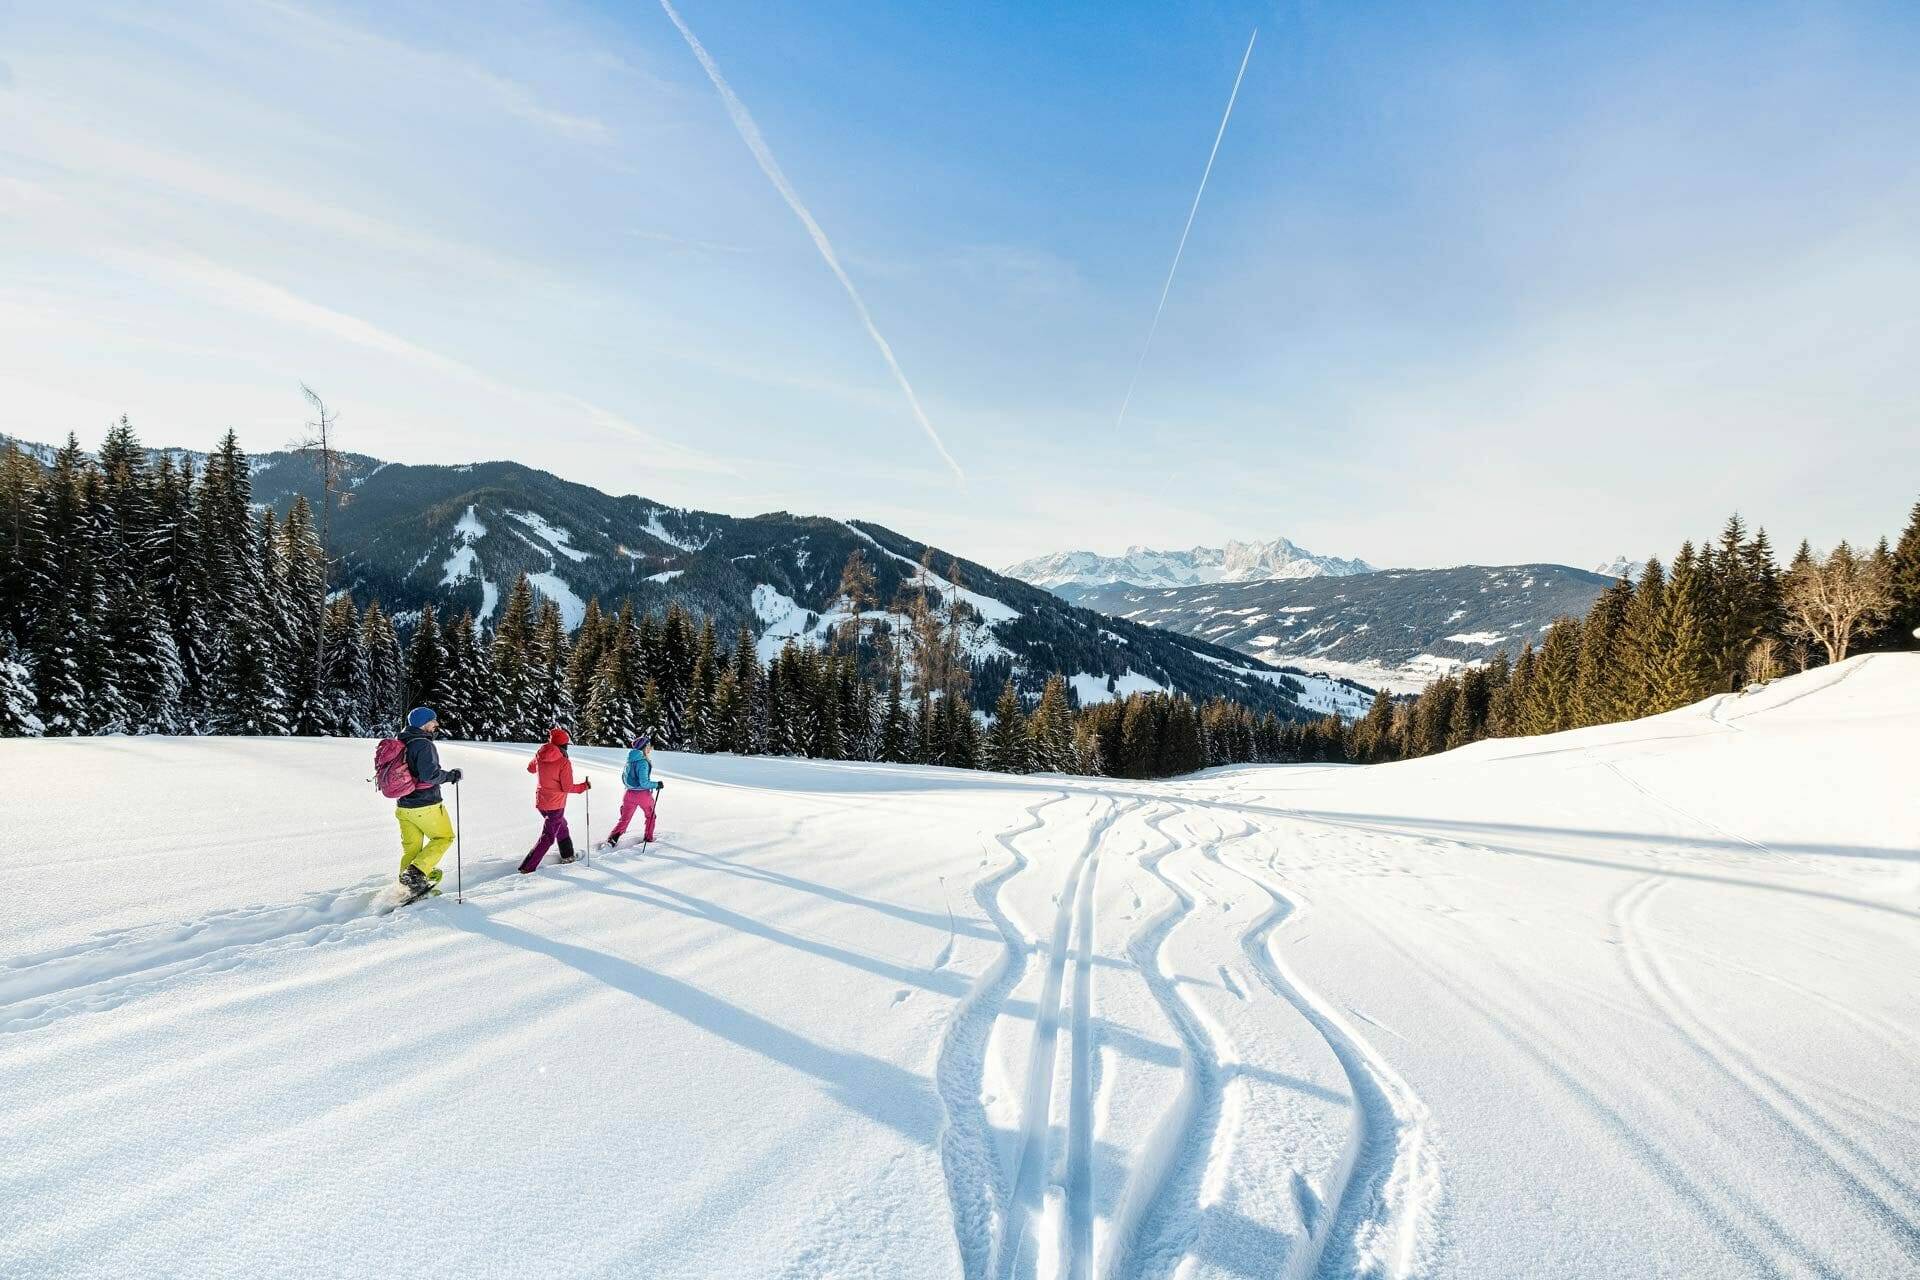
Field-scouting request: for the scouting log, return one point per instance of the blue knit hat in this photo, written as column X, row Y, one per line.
column 420, row 717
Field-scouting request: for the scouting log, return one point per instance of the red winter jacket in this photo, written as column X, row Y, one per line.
column 556, row 778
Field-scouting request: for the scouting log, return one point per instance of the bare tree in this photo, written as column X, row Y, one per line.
column 857, row 586
column 317, row 448
column 1830, row 601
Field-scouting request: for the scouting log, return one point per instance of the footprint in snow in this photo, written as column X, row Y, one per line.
column 901, row 996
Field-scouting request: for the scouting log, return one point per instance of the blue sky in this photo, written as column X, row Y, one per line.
column 1470, row 283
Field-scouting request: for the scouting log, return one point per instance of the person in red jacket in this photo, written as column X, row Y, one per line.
column 555, row 772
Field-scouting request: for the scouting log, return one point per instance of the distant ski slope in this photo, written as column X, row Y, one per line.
column 1630, row 1001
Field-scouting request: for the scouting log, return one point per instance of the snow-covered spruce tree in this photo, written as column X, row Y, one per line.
column 303, row 590
column 340, row 709
column 614, row 714
column 590, row 639
column 17, row 716
column 896, row 725
column 1905, row 584
column 1050, row 730
column 514, row 679
column 698, row 732
column 22, row 545
column 1005, row 750
column 384, row 705
column 652, row 716
column 469, row 695
column 65, row 641
column 179, row 588
column 674, row 672
column 426, row 678
column 743, row 720
column 551, row 661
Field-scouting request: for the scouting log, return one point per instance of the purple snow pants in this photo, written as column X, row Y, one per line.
column 554, row 829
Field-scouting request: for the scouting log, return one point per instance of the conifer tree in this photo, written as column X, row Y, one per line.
column 343, row 706
column 385, row 705
column 743, row 721
column 652, row 714
column 65, row 641
column 22, row 545
column 1644, row 642
column 614, row 713
column 1050, row 729
column 17, row 716
column 511, row 655
column 896, row 726
column 1139, row 734
column 552, row 667
column 1597, row 695
column 1904, row 574
column 700, row 731
column 1372, row 740
column 1005, row 749
column 1682, row 671
column 590, row 639
column 426, row 663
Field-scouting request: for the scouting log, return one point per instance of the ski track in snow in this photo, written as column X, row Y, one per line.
column 1385, row 1190
column 1036, row 1112
column 1881, row 1192
column 979, row 1201
column 1158, row 1219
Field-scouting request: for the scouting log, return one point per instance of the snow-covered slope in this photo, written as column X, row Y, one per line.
column 1641, row 1000
column 1145, row 567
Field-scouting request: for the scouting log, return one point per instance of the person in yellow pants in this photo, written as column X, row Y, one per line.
column 425, row 835
column 426, row 832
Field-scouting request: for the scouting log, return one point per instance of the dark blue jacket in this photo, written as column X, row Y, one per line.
column 423, row 761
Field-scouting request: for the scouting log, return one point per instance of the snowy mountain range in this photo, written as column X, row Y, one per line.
column 457, row 537
column 1620, row 567
column 1398, row 629
column 1145, row 567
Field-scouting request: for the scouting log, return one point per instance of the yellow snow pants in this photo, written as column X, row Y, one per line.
column 425, row 834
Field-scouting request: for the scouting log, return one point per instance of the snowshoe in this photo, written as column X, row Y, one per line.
column 567, row 857
column 416, row 884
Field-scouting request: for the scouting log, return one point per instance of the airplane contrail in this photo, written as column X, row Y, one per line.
column 750, row 134
column 1168, row 286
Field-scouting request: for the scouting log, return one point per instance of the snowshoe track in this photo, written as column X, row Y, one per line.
column 974, row 1187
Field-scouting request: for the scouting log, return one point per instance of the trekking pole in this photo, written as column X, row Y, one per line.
column 587, row 844
column 459, row 850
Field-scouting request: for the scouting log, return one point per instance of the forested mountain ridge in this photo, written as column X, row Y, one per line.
column 1398, row 627
column 458, row 537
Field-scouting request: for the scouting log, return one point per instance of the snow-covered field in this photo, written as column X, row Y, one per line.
column 1633, row 1001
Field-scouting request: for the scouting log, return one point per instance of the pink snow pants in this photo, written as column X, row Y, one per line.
column 641, row 799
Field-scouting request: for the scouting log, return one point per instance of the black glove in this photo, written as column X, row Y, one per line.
column 659, row 786
column 453, row 776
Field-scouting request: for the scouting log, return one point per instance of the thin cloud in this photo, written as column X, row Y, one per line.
column 252, row 295
column 510, row 95
column 750, row 134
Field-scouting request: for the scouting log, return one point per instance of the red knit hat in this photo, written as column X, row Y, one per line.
column 558, row 736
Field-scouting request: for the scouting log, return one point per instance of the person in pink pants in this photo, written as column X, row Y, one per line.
column 643, row 791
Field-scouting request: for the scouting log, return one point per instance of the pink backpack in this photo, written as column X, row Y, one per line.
column 390, row 772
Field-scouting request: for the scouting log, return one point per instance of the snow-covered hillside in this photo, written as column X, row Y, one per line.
column 1641, row 1000
column 1145, row 567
